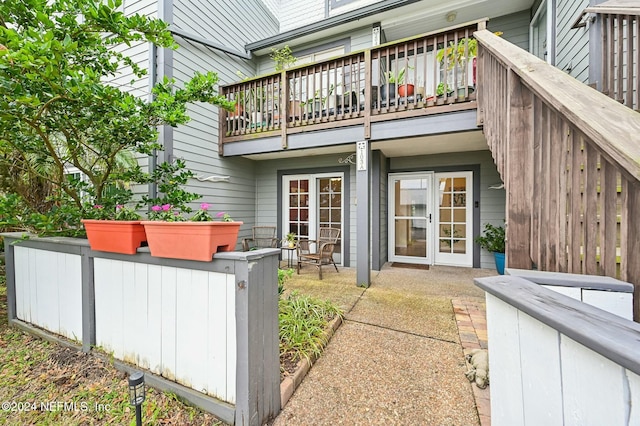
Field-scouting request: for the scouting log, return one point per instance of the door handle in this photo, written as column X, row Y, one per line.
column 429, row 217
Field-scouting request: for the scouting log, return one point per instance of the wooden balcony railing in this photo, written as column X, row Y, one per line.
column 570, row 160
column 620, row 35
column 405, row 78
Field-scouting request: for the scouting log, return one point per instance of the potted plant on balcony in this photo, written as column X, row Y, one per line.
column 392, row 78
column 493, row 240
column 457, row 56
column 283, row 59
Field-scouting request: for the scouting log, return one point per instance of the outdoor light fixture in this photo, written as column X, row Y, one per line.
column 136, row 394
column 451, row 16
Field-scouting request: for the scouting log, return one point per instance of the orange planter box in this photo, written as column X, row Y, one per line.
column 191, row 240
column 114, row 236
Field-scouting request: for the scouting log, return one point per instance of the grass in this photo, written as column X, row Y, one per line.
column 47, row 384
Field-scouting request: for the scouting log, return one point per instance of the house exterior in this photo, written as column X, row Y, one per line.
column 331, row 141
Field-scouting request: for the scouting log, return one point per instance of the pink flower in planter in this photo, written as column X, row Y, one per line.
column 166, row 207
column 119, row 207
column 220, row 214
column 205, row 206
column 156, row 208
column 98, row 206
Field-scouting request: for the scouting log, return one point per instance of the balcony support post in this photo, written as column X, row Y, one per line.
column 367, row 94
column 363, row 213
column 284, row 107
column 519, row 175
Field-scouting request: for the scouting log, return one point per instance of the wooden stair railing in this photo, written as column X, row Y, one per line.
column 569, row 157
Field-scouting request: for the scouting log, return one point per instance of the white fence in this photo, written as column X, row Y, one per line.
column 49, row 291
column 208, row 327
column 606, row 293
column 175, row 322
column 557, row 361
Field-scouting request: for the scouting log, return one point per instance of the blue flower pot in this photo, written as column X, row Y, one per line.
column 499, row 257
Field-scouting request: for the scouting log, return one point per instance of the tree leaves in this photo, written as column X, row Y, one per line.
column 58, row 107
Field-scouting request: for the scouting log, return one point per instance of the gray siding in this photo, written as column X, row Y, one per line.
column 572, row 45
column 384, row 217
column 229, row 23
column 356, row 40
column 197, row 141
column 492, row 201
column 514, row 26
column 360, row 38
column 140, row 54
column 298, row 13
column 267, row 184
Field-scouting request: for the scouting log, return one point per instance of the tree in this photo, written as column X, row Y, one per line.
column 58, row 109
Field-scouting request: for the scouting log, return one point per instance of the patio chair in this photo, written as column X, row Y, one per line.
column 319, row 252
column 263, row 237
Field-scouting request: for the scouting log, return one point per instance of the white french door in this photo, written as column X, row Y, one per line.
column 454, row 219
column 410, row 217
column 311, row 202
column 431, row 218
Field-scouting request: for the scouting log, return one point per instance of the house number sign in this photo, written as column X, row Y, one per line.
column 361, row 155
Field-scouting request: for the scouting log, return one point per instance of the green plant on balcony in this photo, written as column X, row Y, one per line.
column 442, row 89
column 396, row 77
column 317, row 99
column 283, row 58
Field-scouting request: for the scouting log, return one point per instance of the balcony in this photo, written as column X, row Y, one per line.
column 423, row 75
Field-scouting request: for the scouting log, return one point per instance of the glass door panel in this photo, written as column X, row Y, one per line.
column 311, row 202
column 330, row 208
column 298, row 208
column 410, row 218
column 454, row 219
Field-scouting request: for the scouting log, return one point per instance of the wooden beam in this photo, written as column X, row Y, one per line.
column 629, row 241
column 284, row 106
column 519, row 174
column 367, row 94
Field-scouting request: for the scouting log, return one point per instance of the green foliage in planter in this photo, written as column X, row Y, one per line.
column 58, row 111
column 303, row 320
column 492, row 238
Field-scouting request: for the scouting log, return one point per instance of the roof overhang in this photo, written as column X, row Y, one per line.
column 331, row 23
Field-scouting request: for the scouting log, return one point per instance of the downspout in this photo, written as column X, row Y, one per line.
column 153, row 159
column 595, row 47
column 213, row 45
column 551, row 31
column 165, row 70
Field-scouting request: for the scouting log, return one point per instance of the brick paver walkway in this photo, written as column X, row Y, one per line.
column 472, row 326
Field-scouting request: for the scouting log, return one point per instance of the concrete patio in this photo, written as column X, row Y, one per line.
column 398, row 358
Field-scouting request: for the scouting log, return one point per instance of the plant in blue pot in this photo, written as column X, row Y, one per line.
column 492, row 239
